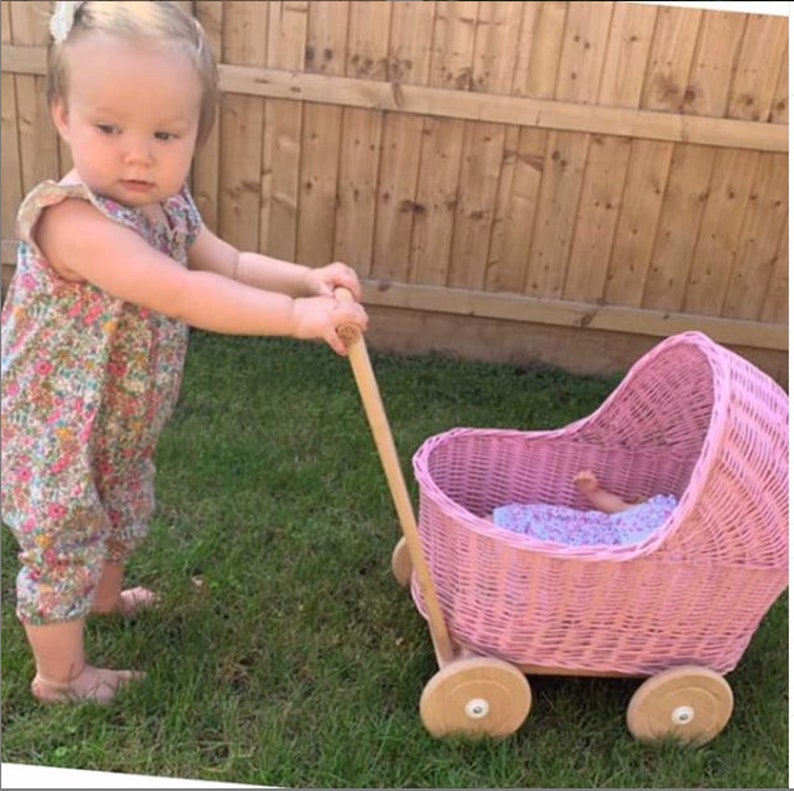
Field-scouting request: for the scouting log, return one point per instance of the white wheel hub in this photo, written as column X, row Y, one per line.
column 477, row 708
column 682, row 715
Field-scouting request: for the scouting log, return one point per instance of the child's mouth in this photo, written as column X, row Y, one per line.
column 137, row 186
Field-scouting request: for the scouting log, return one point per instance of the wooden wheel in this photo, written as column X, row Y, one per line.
column 478, row 696
column 691, row 704
column 401, row 565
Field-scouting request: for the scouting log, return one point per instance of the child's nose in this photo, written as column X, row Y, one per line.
column 138, row 151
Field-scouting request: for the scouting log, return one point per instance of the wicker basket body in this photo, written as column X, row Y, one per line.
column 691, row 419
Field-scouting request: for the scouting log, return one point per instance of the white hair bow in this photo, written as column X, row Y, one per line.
column 62, row 19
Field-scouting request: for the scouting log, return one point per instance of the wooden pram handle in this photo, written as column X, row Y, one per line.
column 353, row 339
column 349, row 333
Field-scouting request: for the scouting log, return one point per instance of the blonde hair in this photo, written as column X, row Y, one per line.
column 157, row 20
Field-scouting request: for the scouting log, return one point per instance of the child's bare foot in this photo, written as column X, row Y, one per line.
column 128, row 603
column 134, row 600
column 95, row 684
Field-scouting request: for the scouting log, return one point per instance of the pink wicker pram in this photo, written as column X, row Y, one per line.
column 690, row 419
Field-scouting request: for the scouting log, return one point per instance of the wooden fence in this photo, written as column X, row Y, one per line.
column 562, row 181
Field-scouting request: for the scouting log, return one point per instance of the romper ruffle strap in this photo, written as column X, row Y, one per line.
column 180, row 209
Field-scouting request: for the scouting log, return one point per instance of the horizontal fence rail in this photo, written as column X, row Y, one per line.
column 423, row 100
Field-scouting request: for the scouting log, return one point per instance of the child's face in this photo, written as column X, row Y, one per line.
column 130, row 118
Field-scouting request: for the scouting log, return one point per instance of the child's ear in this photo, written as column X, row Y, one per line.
column 60, row 117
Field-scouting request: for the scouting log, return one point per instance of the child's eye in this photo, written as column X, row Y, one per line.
column 166, row 136
column 107, row 129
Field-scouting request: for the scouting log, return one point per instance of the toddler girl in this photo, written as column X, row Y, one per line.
column 114, row 264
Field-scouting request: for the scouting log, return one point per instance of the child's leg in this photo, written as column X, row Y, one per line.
column 110, row 598
column 129, row 498
column 62, row 672
column 603, row 500
column 55, row 589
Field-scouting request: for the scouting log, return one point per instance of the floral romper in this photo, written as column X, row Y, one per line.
column 88, row 382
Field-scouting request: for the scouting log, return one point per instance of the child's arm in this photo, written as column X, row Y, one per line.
column 81, row 244
column 211, row 254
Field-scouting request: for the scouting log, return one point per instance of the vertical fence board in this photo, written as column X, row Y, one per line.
column 757, row 69
column 563, row 170
column 710, row 78
column 541, row 43
column 206, row 165
column 628, row 54
column 779, row 112
column 38, row 140
column 608, row 158
column 537, row 75
column 431, row 237
column 755, row 264
column 718, row 240
column 628, row 50
column 326, row 47
column 286, row 48
column 368, row 45
column 454, row 27
column 599, row 207
column 497, row 268
column 497, row 46
column 775, row 307
column 322, row 132
column 396, row 205
column 670, row 61
column 629, row 47
column 242, row 125
column 483, row 148
column 529, row 173
column 517, row 206
column 687, row 189
column 581, row 66
column 583, row 52
column 355, row 214
column 9, row 131
column 513, row 214
column 643, row 196
column 409, row 62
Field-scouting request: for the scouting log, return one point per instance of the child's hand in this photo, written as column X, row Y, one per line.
column 322, row 281
column 321, row 317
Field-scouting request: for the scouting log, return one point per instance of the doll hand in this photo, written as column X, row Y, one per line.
column 586, row 481
column 321, row 317
column 323, row 280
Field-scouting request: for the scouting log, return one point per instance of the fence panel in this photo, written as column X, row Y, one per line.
column 508, row 165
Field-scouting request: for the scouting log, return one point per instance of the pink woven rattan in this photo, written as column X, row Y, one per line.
column 692, row 419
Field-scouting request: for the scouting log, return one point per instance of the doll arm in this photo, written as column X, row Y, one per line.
column 600, row 498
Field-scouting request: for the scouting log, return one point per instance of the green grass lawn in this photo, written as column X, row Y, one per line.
column 299, row 662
